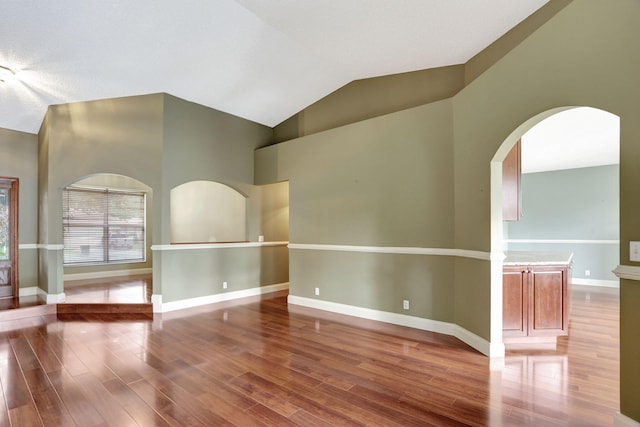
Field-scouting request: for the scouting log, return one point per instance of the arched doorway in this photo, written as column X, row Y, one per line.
column 575, row 159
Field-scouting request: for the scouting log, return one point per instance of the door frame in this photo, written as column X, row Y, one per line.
column 13, row 185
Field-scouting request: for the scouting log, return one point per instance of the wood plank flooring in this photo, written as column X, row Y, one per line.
column 259, row 362
column 118, row 296
column 113, row 290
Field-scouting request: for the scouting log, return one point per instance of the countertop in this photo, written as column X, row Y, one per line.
column 537, row 258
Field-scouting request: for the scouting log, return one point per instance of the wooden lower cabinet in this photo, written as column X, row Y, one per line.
column 535, row 300
column 515, row 297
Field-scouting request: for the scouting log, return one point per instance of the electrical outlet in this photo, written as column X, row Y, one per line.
column 317, row 291
column 634, row 251
column 405, row 304
column 224, row 285
column 587, row 273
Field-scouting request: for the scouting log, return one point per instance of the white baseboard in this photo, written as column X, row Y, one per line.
column 51, row 298
column 28, row 291
column 480, row 344
column 101, row 274
column 621, row 420
column 596, row 282
column 493, row 350
column 48, row 298
column 160, row 307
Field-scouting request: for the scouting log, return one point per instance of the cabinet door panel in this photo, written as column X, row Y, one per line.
column 547, row 305
column 514, row 306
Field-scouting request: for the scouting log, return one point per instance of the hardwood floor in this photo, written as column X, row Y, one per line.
column 118, row 296
column 129, row 294
column 127, row 290
column 260, row 362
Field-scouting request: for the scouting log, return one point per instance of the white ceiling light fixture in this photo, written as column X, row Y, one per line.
column 6, row 73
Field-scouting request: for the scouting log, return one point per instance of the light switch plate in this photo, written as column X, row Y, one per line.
column 634, row 251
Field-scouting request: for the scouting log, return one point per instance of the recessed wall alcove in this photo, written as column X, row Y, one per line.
column 207, row 212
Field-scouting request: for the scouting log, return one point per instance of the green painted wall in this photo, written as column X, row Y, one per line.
column 573, row 204
column 564, row 63
column 201, row 143
column 200, row 272
column 274, row 212
column 376, row 281
column 368, row 98
column 485, row 59
column 583, row 55
column 121, row 136
column 386, row 181
column 417, row 177
column 49, row 272
column 19, row 159
column 161, row 142
column 629, row 349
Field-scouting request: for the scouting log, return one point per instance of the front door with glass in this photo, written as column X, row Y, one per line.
column 8, row 237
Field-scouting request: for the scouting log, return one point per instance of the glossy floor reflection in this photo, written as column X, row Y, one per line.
column 128, row 290
column 262, row 362
column 581, row 376
column 22, row 302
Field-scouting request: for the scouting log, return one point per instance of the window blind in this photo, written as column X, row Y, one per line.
column 102, row 226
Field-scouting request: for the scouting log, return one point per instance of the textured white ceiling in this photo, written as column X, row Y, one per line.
column 576, row 138
column 263, row 60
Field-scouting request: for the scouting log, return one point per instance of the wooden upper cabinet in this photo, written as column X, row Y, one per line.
column 511, row 192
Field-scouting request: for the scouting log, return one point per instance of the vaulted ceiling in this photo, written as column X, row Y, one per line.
column 575, row 138
column 263, row 60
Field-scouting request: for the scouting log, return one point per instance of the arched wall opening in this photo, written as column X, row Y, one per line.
column 207, row 212
column 581, row 164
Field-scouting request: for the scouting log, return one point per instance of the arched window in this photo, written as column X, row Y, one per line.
column 102, row 226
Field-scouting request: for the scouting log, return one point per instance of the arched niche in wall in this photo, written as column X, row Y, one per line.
column 207, row 211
